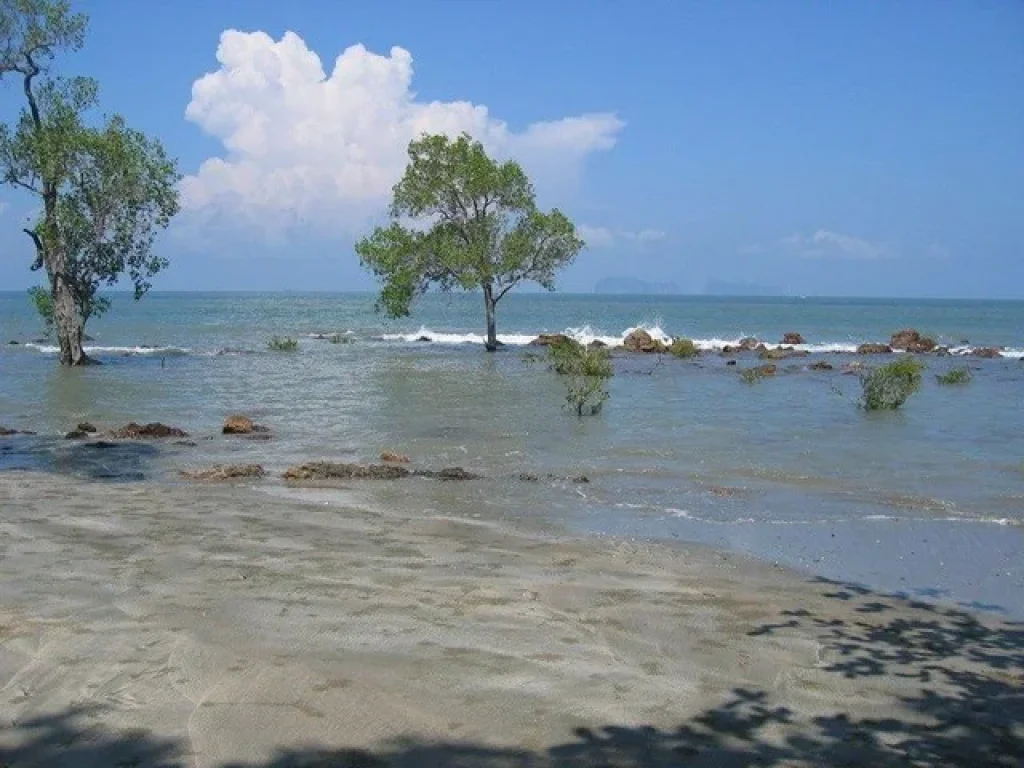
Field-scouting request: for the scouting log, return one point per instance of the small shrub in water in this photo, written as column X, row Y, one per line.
column 282, row 344
column 585, row 371
column 955, row 376
column 889, row 387
column 684, row 348
column 755, row 374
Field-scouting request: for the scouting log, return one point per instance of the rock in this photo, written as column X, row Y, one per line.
column 243, row 425
column 781, row 353
column 238, row 425
column 549, row 339
column 224, row 472
column 943, row 352
column 4, row 431
column 424, row 338
column 325, row 470
column 874, row 349
column 76, row 434
column 792, row 338
column 597, row 344
column 640, row 340
column 85, row 426
column 763, row 370
column 448, row 473
column 730, row 362
column 910, row 340
column 748, row 344
column 820, row 365
column 133, row 431
column 13, row 342
column 637, row 340
column 988, row 352
column 529, row 477
column 398, row 458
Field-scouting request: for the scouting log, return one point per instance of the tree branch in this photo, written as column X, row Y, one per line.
column 35, row 239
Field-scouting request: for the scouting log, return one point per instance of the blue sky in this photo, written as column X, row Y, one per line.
column 841, row 148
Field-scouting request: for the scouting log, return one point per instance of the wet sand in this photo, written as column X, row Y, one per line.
column 214, row 626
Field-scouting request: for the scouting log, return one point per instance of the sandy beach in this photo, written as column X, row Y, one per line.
column 149, row 625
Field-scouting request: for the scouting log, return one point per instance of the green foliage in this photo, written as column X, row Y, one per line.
column 105, row 190
column 757, row 373
column 43, row 302
column 683, row 348
column 585, row 371
column 282, row 344
column 485, row 230
column 960, row 375
column 889, row 387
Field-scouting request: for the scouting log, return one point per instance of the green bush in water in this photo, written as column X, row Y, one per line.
column 889, row 387
column 955, row 376
column 585, row 371
column 683, row 348
column 758, row 372
column 282, row 344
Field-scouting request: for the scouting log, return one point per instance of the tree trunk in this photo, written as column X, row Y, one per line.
column 67, row 320
column 492, row 333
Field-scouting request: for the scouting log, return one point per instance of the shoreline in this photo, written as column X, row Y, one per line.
column 215, row 626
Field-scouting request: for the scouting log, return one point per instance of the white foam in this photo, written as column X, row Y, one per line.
column 52, row 349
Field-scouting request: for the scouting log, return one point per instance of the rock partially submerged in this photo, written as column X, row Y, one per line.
column 820, row 365
column 986, row 352
column 792, row 338
column 781, row 353
column 4, row 432
column 395, row 458
column 241, row 425
column 530, row 477
column 910, row 340
column 550, row 340
column 448, row 473
column 874, row 349
column 220, row 472
column 326, row 470
column 639, row 340
column 153, row 430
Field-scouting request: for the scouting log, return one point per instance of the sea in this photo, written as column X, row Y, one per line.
column 926, row 501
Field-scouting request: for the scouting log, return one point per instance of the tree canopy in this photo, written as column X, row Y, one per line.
column 460, row 219
column 105, row 190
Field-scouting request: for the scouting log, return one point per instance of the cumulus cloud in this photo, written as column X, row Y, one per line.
column 603, row 237
column 304, row 147
column 824, row 244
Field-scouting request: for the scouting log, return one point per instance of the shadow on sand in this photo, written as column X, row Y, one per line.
column 966, row 709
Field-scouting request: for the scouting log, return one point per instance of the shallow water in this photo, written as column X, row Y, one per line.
column 929, row 500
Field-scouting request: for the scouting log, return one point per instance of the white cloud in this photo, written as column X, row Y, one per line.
column 824, row 244
column 603, row 237
column 596, row 237
column 303, row 147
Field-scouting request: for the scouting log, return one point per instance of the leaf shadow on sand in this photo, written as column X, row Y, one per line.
column 965, row 706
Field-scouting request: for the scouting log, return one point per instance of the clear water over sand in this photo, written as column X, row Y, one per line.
column 929, row 500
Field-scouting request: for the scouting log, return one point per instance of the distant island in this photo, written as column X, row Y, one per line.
column 741, row 288
column 633, row 285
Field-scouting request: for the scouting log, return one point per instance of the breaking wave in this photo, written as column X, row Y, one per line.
column 166, row 351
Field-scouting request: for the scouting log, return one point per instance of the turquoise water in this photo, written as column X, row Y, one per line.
column 929, row 500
